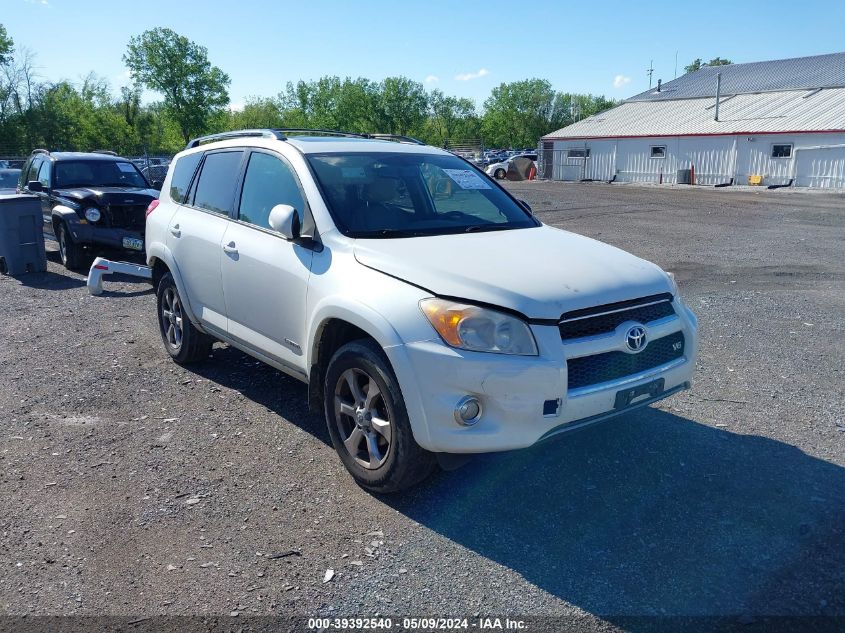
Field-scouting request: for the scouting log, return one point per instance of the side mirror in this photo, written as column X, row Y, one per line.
column 285, row 219
column 35, row 186
column 526, row 206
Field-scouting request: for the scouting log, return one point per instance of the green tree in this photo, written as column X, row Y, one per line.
column 402, row 106
column 194, row 91
column 697, row 64
column 6, row 46
column 451, row 117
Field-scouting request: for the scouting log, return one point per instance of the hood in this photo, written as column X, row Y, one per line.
column 540, row 272
column 109, row 195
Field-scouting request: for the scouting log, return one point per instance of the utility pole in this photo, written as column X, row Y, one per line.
column 650, row 72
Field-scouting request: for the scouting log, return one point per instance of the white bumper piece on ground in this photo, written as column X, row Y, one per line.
column 102, row 267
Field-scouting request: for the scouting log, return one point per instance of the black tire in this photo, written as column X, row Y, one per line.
column 71, row 254
column 184, row 342
column 405, row 462
column 500, row 174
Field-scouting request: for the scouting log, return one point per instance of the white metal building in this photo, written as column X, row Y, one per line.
column 783, row 120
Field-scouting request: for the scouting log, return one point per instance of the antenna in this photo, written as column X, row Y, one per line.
column 650, row 72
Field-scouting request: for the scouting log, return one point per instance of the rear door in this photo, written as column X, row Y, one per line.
column 265, row 277
column 195, row 234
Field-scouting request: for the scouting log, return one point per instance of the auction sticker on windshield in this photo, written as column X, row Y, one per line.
column 467, row 179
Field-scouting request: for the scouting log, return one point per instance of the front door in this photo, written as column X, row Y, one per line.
column 265, row 277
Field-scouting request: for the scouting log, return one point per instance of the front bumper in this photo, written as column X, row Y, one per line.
column 106, row 237
column 514, row 390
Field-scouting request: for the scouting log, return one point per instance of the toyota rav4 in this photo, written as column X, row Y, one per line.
column 428, row 310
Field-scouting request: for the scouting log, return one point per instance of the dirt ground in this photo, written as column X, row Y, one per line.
column 131, row 486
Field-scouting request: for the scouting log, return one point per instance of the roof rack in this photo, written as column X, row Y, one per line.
column 107, row 152
column 280, row 134
column 40, row 151
column 399, row 138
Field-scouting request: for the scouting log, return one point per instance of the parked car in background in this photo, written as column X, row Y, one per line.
column 428, row 311
column 91, row 202
column 9, row 180
column 500, row 170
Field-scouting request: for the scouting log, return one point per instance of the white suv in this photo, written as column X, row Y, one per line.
column 428, row 311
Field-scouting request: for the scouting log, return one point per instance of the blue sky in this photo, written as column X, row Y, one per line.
column 463, row 47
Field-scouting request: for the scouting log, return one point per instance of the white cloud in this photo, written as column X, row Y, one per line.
column 469, row 76
column 432, row 79
column 620, row 81
column 41, row 2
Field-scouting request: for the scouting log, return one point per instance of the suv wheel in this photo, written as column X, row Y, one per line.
column 70, row 253
column 185, row 343
column 368, row 423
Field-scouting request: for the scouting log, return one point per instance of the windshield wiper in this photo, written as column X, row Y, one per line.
column 477, row 228
column 388, row 233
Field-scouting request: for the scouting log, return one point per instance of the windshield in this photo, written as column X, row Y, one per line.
column 9, row 178
column 97, row 173
column 407, row 195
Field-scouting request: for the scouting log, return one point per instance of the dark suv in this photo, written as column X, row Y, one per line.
column 90, row 202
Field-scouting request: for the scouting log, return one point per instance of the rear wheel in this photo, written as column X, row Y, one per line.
column 184, row 342
column 368, row 422
column 71, row 254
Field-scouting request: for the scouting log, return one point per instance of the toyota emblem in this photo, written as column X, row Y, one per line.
column 635, row 338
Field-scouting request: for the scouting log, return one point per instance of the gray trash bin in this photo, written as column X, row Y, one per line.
column 21, row 235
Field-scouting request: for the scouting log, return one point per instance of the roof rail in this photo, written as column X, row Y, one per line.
column 107, row 152
column 210, row 138
column 280, row 134
column 399, row 138
column 40, row 151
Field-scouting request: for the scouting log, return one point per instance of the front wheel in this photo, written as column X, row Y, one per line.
column 500, row 174
column 368, row 422
column 70, row 252
column 184, row 342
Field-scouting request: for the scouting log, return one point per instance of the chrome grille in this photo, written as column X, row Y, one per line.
column 606, row 318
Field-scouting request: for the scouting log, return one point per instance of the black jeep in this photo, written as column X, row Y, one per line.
column 91, row 202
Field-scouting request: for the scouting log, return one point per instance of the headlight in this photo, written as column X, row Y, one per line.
column 675, row 291
column 92, row 214
column 479, row 329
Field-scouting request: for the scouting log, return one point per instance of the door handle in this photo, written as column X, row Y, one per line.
column 175, row 230
column 230, row 248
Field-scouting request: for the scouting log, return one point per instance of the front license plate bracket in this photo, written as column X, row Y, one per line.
column 647, row 391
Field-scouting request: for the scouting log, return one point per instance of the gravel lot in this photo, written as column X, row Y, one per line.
column 131, row 486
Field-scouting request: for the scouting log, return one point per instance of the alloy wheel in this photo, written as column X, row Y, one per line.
column 171, row 317
column 363, row 418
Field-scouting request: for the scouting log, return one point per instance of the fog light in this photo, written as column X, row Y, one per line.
column 468, row 411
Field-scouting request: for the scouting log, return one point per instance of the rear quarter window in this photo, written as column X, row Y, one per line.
column 183, row 172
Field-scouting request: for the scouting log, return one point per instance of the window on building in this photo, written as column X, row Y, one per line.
column 578, row 153
column 658, row 151
column 782, row 151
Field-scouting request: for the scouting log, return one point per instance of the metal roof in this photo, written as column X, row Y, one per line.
column 818, row 71
column 768, row 112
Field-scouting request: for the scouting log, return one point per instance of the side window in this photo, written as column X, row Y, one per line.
column 183, row 171
column 44, row 174
column 782, row 150
column 32, row 172
column 216, row 187
column 269, row 181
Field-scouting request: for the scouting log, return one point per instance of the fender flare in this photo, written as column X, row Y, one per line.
column 382, row 331
column 159, row 251
column 65, row 213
